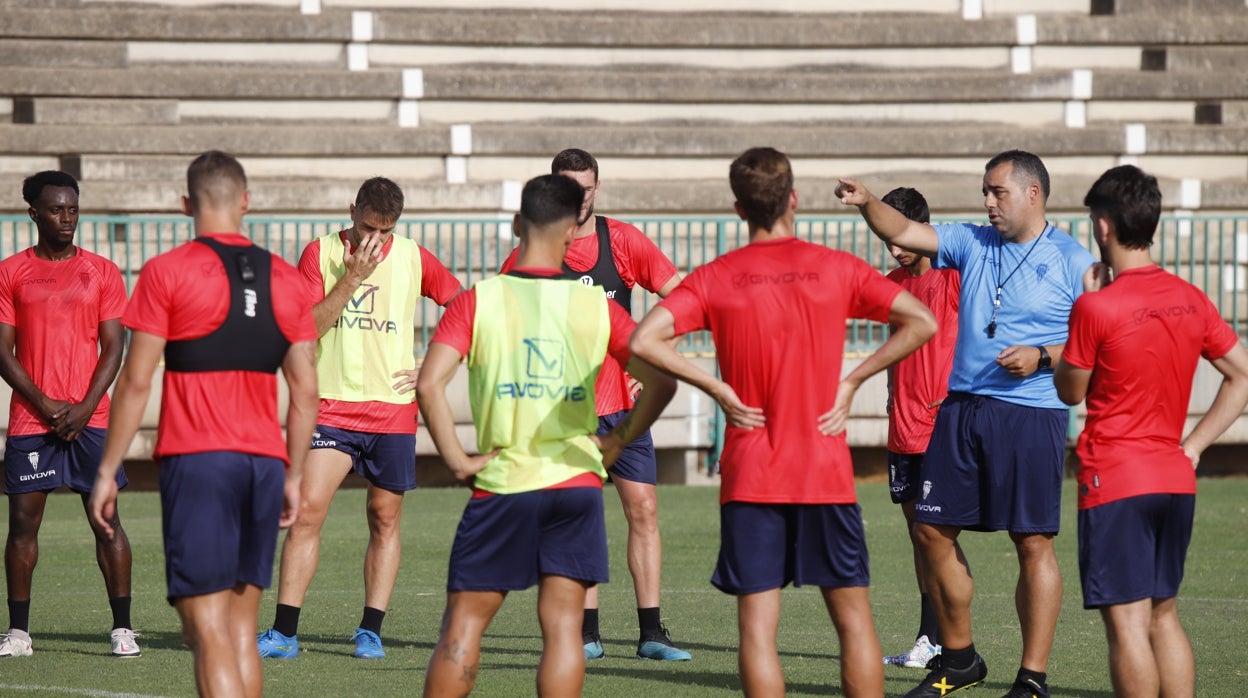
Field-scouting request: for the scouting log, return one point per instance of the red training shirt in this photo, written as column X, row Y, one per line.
column 184, row 294
column 639, row 262
column 436, row 282
column 1141, row 337
column 922, row 378
column 57, row 309
column 777, row 311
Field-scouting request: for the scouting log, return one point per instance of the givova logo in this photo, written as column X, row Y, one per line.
column 33, row 459
column 924, row 506
column 545, row 358
column 544, row 364
column 357, row 314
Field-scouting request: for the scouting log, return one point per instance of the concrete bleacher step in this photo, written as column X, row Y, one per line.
column 34, row 53
column 632, row 26
column 114, row 112
column 307, row 141
column 1204, row 58
column 654, row 141
column 616, row 83
column 206, row 82
column 134, row 22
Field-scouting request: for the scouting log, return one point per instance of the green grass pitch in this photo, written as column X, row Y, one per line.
column 70, row 618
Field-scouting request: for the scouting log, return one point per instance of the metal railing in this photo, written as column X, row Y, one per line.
column 1209, row 251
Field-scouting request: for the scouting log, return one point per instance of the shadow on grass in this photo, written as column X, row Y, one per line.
column 97, row 643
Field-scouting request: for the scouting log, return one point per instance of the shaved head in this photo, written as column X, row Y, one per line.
column 215, row 180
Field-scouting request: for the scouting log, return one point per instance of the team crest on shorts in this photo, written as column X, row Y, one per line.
column 927, row 489
column 33, row 457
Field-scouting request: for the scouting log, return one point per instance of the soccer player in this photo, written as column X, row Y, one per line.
column 998, row 447
column 225, row 315
column 60, row 348
column 617, row 256
column 916, row 386
column 534, row 343
column 788, row 512
column 365, row 283
column 1132, row 353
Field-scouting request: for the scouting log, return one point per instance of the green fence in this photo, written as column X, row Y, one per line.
column 1209, row 251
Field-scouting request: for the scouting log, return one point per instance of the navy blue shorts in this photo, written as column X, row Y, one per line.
column 993, row 465
column 636, row 462
column 505, row 542
column 44, row 462
column 767, row 546
column 387, row 461
column 1134, row 548
column 219, row 513
column 903, row 476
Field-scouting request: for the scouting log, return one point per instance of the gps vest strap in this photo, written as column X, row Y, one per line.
column 604, row 272
column 249, row 339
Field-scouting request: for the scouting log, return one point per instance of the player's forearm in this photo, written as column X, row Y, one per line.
column 20, row 381
column 910, row 334
column 329, row 309
column 104, row 374
column 1227, row 407
column 658, row 391
column 440, row 421
column 1071, row 384
column 124, row 419
column 299, row 369
column 664, row 357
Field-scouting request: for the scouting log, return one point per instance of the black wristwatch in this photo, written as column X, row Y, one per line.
column 1045, row 360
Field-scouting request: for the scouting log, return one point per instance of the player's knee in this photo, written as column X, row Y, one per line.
column 384, row 521
column 1033, row 548
column 929, row 537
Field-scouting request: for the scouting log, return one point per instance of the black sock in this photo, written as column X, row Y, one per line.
column 648, row 619
column 19, row 615
column 286, row 620
column 958, row 659
column 372, row 619
column 121, row 612
column 1037, row 676
column 589, row 625
column 927, row 620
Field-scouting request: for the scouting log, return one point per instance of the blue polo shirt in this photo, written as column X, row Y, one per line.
column 1041, row 279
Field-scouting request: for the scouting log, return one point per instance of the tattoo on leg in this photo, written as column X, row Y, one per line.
column 624, row 427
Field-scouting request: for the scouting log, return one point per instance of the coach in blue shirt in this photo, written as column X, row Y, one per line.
column 996, row 456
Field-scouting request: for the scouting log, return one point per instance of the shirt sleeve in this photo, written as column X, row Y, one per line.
column 874, row 293
column 1085, row 334
column 310, row 270
column 113, row 293
column 1219, row 337
column 294, row 314
column 8, row 313
column 952, row 242
column 1079, row 261
column 640, row 261
column 687, row 304
column 436, row 281
column 148, row 309
column 455, row 327
column 622, row 326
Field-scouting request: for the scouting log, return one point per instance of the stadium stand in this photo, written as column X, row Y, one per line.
column 460, row 104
